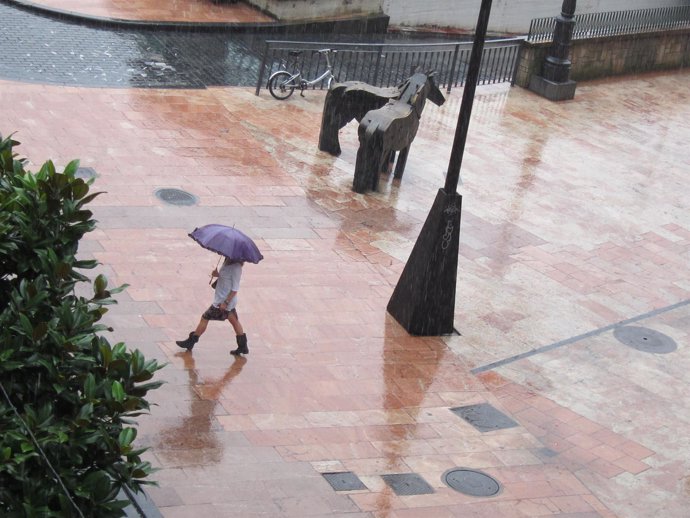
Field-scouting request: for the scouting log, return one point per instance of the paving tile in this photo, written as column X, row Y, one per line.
column 635, row 450
column 604, row 468
column 571, row 504
column 631, row 465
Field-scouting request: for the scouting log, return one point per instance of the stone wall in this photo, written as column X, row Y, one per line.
column 614, row 55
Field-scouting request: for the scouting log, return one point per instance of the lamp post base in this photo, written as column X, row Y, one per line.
column 423, row 301
column 552, row 90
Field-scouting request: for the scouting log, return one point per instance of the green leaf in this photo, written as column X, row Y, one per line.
column 98, row 485
column 127, row 436
column 26, row 447
column 119, row 289
column 71, row 168
column 90, row 386
column 106, row 352
column 118, row 392
column 85, row 413
column 79, row 188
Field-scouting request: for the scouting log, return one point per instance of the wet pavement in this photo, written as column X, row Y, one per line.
column 575, row 228
column 49, row 49
column 199, row 11
column 52, row 51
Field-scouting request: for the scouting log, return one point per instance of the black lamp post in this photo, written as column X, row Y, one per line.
column 554, row 83
column 423, row 301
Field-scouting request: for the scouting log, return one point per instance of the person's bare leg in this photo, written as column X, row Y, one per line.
column 201, row 327
column 235, row 323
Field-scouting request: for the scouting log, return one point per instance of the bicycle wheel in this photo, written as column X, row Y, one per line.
column 280, row 85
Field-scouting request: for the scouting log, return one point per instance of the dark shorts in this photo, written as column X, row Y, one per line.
column 214, row 313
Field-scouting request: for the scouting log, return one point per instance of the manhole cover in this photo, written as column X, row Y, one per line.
column 85, row 173
column 175, row 197
column 484, row 417
column 645, row 340
column 406, row 484
column 344, row 481
column 471, row 482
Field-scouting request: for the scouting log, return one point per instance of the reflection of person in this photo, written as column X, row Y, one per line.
column 223, row 307
column 198, row 424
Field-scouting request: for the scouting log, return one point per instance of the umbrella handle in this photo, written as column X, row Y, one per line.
column 211, row 279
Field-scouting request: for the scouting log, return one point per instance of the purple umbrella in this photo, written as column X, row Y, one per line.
column 227, row 241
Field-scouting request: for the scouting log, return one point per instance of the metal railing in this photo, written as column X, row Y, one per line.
column 390, row 64
column 614, row 23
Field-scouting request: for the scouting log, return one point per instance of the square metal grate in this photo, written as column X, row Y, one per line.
column 406, row 484
column 484, row 417
column 344, row 481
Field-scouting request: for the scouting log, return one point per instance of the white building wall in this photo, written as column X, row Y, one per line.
column 507, row 16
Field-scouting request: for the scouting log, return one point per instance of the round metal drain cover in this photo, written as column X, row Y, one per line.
column 85, row 173
column 471, row 482
column 175, row 197
column 645, row 340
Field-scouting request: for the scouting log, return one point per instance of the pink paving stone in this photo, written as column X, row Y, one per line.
column 534, row 416
column 604, row 468
column 493, row 380
column 423, row 512
column 635, row 450
column 571, row 504
column 527, row 490
column 607, row 452
column 535, row 507
column 583, row 440
column 513, row 405
column 568, row 484
column 559, row 429
column 609, row 437
column 556, row 443
column 517, row 457
column 585, row 426
column 631, row 465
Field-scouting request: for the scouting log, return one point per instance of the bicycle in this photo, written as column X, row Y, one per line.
column 282, row 83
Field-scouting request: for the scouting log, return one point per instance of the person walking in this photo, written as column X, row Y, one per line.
column 224, row 307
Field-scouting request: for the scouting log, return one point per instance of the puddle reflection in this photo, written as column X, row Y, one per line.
column 195, row 436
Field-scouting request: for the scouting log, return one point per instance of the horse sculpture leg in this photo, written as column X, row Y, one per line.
column 370, row 156
column 391, row 162
column 402, row 160
column 362, row 180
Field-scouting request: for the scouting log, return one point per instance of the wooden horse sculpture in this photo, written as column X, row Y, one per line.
column 392, row 128
column 347, row 101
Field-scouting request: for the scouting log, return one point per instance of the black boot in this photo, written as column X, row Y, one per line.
column 189, row 342
column 241, row 345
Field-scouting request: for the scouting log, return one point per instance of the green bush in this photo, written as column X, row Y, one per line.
column 67, row 396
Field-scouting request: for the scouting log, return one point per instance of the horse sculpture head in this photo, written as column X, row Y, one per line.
column 418, row 88
column 434, row 93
